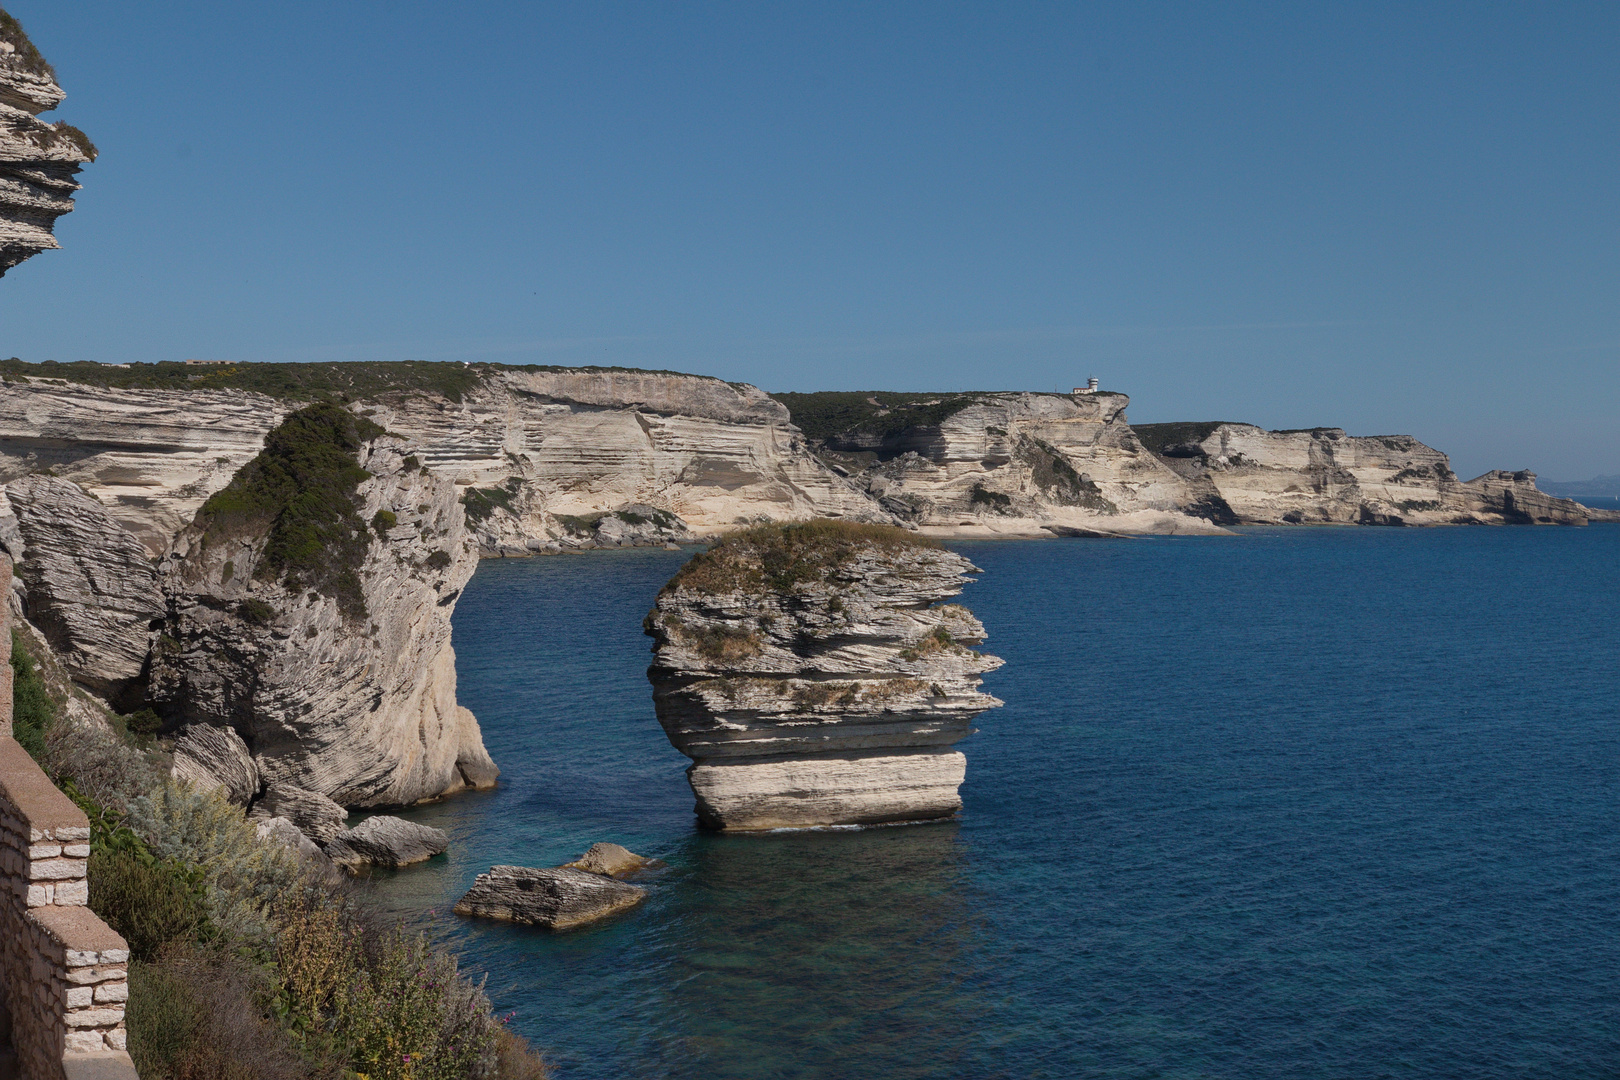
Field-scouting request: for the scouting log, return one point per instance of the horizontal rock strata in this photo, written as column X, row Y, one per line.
column 815, row 678
column 557, row 899
column 38, row 161
column 1323, row 476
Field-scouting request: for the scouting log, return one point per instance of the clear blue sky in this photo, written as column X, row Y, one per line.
column 1386, row 217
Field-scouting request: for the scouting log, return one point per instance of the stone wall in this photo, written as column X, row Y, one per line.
column 63, row 972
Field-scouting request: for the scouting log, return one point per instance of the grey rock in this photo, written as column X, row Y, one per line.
column 558, row 899
column 281, row 831
column 91, row 590
column 610, row 860
column 386, row 841
column 312, row 813
column 211, row 756
column 832, row 700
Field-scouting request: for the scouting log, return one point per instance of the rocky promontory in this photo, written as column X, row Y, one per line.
column 815, row 676
column 38, row 161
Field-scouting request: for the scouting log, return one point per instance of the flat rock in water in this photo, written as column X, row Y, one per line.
column 558, row 899
column 210, row 756
column 387, row 841
column 316, row 816
column 610, row 860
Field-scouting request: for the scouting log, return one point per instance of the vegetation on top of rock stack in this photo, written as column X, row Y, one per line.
column 299, row 493
column 782, row 556
column 825, row 415
column 26, row 57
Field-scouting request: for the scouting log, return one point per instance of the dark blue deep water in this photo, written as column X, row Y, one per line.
column 1300, row 803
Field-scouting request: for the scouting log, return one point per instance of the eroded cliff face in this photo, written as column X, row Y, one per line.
column 1326, row 476
column 814, row 678
column 38, row 161
column 350, row 695
column 1021, row 464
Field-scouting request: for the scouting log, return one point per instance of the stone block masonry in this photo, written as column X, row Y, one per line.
column 63, row 972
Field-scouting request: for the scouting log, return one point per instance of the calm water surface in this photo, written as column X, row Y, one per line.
column 1299, row 803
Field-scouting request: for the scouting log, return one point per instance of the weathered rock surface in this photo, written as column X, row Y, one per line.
column 312, row 814
column 386, row 841
column 278, row 830
column 1020, row 464
column 211, row 756
column 558, row 899
column 813, row 681
column 609, row 859
column 90, row 587
column 361, row 710
column 38, row 161
column 1326, row 476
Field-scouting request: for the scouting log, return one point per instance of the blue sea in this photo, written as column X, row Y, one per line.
column 1314, row 802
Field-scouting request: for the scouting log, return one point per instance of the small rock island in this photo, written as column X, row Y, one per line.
column 815, row 677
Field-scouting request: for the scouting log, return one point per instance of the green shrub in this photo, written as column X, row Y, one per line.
column 32, row 710
column 143, row 722
column 150, row 901
column 438, row 560
column 299, row 493
column 983, row 496
column 383, row 520
column 480, row 503
column 256, row 611
column 411, row 462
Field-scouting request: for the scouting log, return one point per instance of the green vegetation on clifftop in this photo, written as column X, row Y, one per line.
column 299, row 493
column 782, row 556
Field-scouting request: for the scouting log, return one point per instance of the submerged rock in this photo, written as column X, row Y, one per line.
column 610, row 860
column 312, row 813
column 386, row 841
column 813, row 677
column 558, row 899
column 212, row 756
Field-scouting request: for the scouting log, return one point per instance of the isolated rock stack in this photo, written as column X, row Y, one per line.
column 37, row 160
column 809, row 674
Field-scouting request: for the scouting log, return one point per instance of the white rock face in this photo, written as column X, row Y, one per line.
column 364, row 713
column 1326, row 476
column 37, row 160
column 91, row 589
column 207, row 757
column 813, row 682
column 1023, row 465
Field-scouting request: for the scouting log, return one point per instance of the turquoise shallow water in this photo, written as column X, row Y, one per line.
column 1299, row 803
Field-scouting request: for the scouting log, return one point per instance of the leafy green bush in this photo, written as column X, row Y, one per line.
column 383, row 520
column 32, row 710
column 983, row 496
column 299, row 493
column 438, row 560
column 480, row 503
column 256, row 611
column 150, row 901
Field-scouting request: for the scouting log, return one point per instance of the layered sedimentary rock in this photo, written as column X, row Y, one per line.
column 207, row 756
column 350, row 694
column 386, row 841
column 1323, row 475
column 815, row 677
column 559, row 898
column 1015, row 464
column 90, row 588
column 38, row 161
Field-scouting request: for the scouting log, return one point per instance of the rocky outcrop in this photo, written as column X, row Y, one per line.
column 610, row 860
column 347, row 689
column 38, row 161
column 278, row 830
column 386, row 841
column 312, row 814
column 1323, row 475
column 90, row 588
column 1015, row 464
column 557, row 899
column 815, row 678
column 209, row 757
